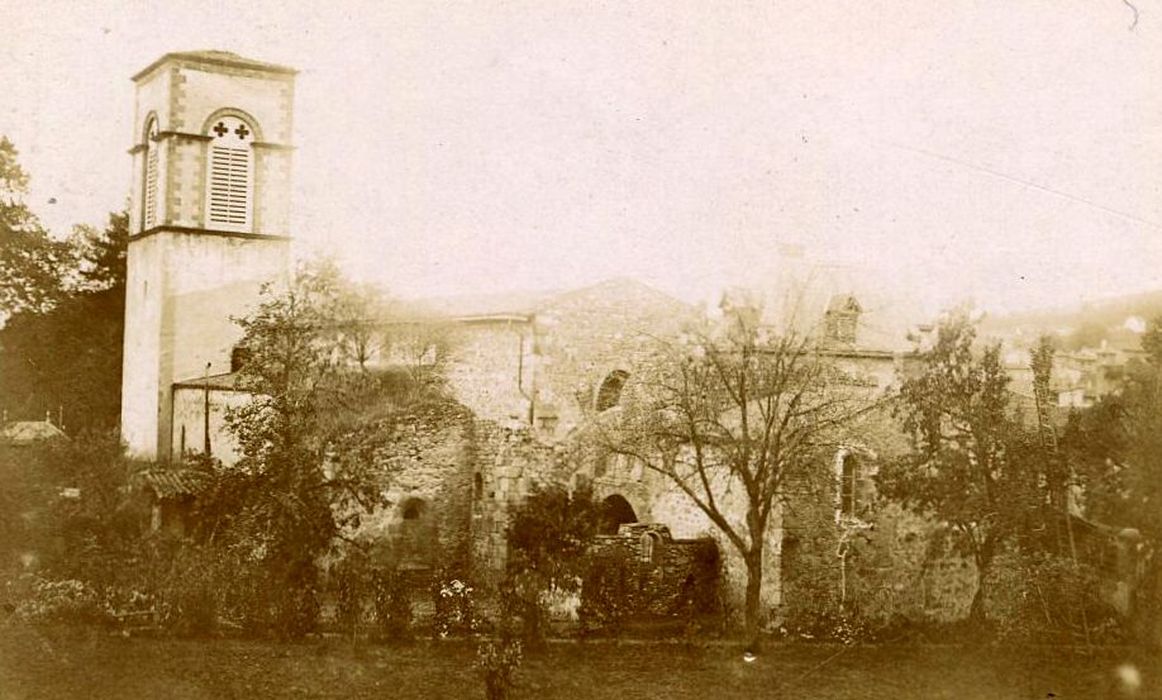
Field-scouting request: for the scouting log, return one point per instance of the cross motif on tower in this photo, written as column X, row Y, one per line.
column 242, row 131
column 220, row 129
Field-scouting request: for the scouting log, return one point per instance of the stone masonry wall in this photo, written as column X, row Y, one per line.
column 427, row 473
column 671, row 574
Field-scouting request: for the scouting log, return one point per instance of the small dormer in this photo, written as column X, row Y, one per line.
column 841, row 321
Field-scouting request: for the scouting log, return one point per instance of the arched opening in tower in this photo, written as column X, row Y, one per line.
column 615, row 512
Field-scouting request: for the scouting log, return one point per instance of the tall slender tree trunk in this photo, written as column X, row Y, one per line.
column 754, row 586
column 984, row 565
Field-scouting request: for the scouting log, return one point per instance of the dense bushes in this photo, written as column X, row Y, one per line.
column 609, row 592
column 455, row 607
column 1047, row 598
column 392, row 603
column 498, row 662
column 67, row 600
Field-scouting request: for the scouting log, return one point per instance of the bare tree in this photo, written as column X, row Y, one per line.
column 729, row 416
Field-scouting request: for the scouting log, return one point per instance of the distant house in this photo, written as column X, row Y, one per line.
column 25, row 433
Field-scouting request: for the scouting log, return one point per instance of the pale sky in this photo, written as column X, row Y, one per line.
column 1007, row 151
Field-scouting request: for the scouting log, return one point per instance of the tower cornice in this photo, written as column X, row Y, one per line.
column 207, row 232
column 217, row 59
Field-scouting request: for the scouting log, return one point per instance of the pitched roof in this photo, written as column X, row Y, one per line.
column 507, row 305
column 172, row 483
column 26, row 432
column 222, row 382
column 843, row 302
column 479, row 305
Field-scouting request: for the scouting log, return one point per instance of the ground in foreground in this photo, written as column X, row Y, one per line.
column 69, row 662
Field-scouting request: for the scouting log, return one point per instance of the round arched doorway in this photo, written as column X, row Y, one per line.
column 615, row 512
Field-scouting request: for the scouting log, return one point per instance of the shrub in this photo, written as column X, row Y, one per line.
column 351, row 584
column 455, row 613
column 296, row 599
column 67, row 600
column 498, row 662
column 1046, row 598
column 522, row 608
column 551, row 531
column 608, row 592
column 392, row 602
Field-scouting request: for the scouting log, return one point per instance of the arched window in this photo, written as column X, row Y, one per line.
column 650, row 543
column 609, row 395
column 414, row 536
column 230, row 175
column 150, row 177
column 413, row 509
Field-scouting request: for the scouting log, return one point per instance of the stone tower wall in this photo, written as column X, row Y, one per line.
column 187, row 282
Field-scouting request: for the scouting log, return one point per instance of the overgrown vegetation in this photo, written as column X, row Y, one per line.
column 62, row 308
column 735, row 417
column 730, row 418
column 971, row 466
column 548, row 538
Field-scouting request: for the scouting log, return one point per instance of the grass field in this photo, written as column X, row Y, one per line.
column 86, row 663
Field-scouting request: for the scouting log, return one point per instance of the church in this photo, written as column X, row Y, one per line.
column 209, row 222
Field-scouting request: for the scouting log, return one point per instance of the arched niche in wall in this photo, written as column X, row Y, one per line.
column 615, row 512
column 415, row 535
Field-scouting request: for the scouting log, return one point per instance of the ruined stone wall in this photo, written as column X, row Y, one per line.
column 490, row 369
column 673, row 508
column 547, row 369
column 670, row 574
column 585, row 335
column 427, row 472
column 510, row 462
column 886, row 569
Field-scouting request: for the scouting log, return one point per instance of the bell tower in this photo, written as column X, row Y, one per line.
column 209, row 218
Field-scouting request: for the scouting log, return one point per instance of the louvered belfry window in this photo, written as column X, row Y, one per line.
column 149, row 214
column 231, row 175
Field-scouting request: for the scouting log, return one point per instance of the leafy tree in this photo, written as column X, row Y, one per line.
column 102, row 254
column 33, row 266
column 69, row 535
column 66, row 358
column 308, row 439
column 547, row 537
column 551, row 531
column 1116, row 446
column 732, row 416
column 972, row 466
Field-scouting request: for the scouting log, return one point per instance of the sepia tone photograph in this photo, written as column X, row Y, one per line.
column 514, row 350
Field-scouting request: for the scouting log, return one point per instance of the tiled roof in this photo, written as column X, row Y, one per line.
column 172, row 483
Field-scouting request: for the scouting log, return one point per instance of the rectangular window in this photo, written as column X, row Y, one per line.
column 847, row 485
column 229, row 187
